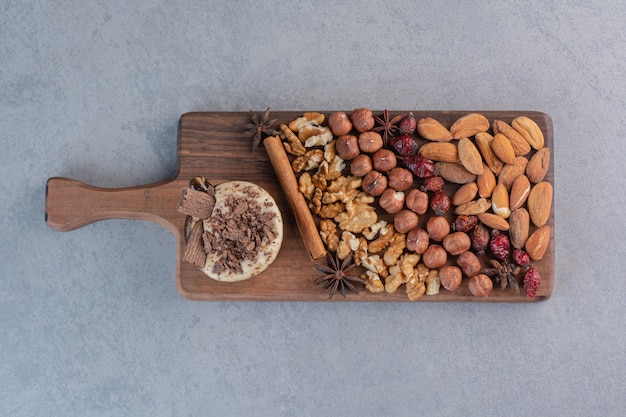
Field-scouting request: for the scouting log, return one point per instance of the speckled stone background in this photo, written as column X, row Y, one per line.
column 90, row 321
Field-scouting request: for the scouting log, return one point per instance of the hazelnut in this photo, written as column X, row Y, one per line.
column 480, row 285
column 374, row 183
column 339, row 123
column 362, row 119
column 384, row 160
column 347, row 147
column 361, row 165
column 469, row 263
column 370, row 141
column 405, row 221
column 437, row 227
column 400, row 179
column 417, row 240
column 435, row 256
column 417, row 201
column 456, row 243
column 450, row 277
column 391, row 201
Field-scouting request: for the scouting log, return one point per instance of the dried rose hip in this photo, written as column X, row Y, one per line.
column 480, row 238
column 404, row 145
column 420, row 166
column 440, row 203
column 531, row 282
column 464, row 223
column 407, row 125
column 433, row 184
column 500, row 246
column 521, row 257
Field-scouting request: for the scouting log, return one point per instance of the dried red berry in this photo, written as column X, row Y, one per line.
column 500, row 246
column 531, row 282
column 404, row 145
column 420, row 166
column 521, row 257
column 433, row 184
column 440, row 203
column 464, row 223
column 407, row 125
column 480, row 238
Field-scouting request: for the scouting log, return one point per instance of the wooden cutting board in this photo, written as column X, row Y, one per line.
column 212, row 145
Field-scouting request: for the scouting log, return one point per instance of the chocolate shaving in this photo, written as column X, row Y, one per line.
column 238, row 233
column 196, row 203
column 194, row 253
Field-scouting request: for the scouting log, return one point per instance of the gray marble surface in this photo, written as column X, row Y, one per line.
column 91, row 322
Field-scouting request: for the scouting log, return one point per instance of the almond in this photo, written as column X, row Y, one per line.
column 519, row 223
column 469, row 156
column 483, row 143
column 469, row 125
column 538, row 242
column 473, row 207
column 494, row 221
column 465, row 194
column 538, row 165
column 503, row 148
column 431, row 129
column 520, row 145
column 486, row 182
column 500, row 201
column 519, row 192
column 440, row 151
column 510, row 172
column 539, row 203
column 454, row 172
column 529, row 130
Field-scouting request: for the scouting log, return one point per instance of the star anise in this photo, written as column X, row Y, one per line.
column 337, row 275
column 387, row 126
column 260, row 125
column 504, row 273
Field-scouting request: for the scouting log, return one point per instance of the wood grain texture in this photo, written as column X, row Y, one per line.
column 212, row 145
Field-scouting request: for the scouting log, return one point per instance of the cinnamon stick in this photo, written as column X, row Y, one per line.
column 304, row 219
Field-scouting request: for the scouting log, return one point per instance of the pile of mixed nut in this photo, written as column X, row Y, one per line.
column 422, row 205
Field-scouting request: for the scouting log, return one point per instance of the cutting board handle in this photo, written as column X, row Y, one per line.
column 72, row 204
